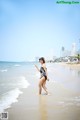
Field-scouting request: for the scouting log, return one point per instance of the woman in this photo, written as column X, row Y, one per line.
column 43, row 78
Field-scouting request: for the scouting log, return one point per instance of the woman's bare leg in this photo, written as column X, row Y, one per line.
column 40, row 86
column 45, row 90
column 43, row 85
column 40, row 89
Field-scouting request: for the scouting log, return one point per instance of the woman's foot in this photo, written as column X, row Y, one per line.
column 46, row 93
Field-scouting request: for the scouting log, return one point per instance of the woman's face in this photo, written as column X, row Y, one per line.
column 41, row 61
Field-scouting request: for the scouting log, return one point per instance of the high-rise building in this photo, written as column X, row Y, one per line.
column 37, row 59
column 62, row 51
column 73, row 51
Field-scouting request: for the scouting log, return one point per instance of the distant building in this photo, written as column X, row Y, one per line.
column 67, row 53
column 73, row 51
column 78, row 52
column 62, row 51
column 54, row 57
column 37, row 59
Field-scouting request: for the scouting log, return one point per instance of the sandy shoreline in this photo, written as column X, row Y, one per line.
column 73, row 66
column 53, row 107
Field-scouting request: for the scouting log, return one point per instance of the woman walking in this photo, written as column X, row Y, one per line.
column 43, row 78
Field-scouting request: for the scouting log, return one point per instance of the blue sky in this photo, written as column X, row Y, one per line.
column 30, row 28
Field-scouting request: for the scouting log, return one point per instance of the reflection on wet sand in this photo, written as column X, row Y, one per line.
column 79, row 73
column 43, row 107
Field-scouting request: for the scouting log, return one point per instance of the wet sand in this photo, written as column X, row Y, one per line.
column 73, row 66
column 63, row 103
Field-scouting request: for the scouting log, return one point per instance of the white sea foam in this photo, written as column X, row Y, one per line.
column 70, row 102
column 23, row 82
column 4, row 70
column 37, row 75
column 8, row 98
column 61, row 102
column 17, row 65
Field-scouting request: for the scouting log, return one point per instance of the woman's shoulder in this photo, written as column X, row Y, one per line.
column 44, row 65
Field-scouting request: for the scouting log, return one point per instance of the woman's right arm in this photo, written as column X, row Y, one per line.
column 37, row 68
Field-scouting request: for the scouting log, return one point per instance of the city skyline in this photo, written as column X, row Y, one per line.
column 37, row 28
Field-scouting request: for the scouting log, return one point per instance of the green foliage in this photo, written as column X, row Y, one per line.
column 78, row 56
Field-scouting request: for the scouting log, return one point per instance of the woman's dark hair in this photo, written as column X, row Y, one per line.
column 43, row 59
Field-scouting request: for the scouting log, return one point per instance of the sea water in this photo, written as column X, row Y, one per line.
column 13, row 77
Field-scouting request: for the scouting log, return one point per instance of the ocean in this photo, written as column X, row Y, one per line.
column 14, row 76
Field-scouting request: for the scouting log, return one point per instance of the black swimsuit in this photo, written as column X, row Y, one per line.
column 43, row 73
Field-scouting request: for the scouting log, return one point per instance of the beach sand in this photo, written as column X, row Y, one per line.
column 73, row 66
column 61, row 104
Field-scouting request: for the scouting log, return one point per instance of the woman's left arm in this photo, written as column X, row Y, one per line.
column 44, row 66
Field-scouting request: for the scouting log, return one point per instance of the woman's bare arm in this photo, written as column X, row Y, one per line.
column 44, row 66
column 37, row 68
